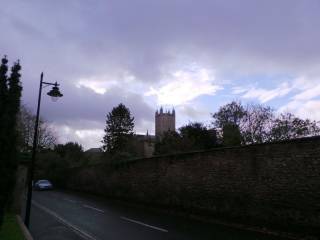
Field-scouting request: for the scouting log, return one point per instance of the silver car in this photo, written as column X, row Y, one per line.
column 43, row 185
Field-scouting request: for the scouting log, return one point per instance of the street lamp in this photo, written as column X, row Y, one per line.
column 54, row 93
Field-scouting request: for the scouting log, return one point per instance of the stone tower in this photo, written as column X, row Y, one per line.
column 165, row 121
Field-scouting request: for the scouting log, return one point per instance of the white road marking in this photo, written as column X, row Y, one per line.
column 75, row 229
column 70, row 200
column 93, row 208
column 144, row 224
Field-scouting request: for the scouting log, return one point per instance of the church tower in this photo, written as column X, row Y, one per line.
column 165, row 121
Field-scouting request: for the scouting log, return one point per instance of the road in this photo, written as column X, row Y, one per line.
column 73, row 216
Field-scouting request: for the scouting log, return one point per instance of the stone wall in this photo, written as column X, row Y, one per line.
column 276, row 185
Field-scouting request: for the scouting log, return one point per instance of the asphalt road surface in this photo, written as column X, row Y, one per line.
column 59, row 215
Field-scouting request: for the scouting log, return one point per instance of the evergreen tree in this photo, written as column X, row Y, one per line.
column 10, row 94
column 13, row 107
column 3, row 127
column 118, row 131
column 3, row 84
column 3, row 101
column 14, row 93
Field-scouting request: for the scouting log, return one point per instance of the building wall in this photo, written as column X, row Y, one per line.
column 148, row 148
column 143, row 145
column 275, row 184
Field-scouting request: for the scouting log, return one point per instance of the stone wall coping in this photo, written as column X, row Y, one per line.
column 218, row 149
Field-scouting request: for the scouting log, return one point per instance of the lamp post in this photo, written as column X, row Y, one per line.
column 54, row 93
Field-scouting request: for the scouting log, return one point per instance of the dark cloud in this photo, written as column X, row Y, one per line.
column 81, row 37
column 83, row 104
column 69, row 40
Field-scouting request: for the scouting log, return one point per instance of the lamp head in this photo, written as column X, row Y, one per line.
column 55, row 93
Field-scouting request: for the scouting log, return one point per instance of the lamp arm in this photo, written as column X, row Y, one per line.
column 52, row 84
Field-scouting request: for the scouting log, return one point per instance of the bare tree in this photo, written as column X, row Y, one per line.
column 257, row 123
column 287, row 126
column 26, row 122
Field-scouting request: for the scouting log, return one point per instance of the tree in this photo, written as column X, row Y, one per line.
column 191, row 137
column 71, row 152
column 231, row 135
column 10, row 94
column 50, row 165
column 26, row 122
column 54, row 164
column 228, row 120
column 287, row 126
column 69, row 147
column 118, row 131
column 3, row 128
column 3, row 86
column 169, row 143
column 195, row 136
column 256, row 124
column 229, row 114
column 3, row 101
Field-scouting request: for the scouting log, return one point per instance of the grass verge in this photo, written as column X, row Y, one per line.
column 10, row 229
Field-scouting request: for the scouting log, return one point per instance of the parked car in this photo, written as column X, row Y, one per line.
column 43, row 185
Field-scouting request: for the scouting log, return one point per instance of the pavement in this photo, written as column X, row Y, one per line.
column 58, row 215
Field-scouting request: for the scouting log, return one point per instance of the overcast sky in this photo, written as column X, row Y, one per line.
column 193, row 55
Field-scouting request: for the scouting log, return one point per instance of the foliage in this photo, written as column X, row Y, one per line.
column 195, row 136
column 26, row 122
column 170, row 142
column 231, row 135
column 54, row 164
column 71, row 153
column 118, row 131
column 228, row 120
column 10, row 229
column 68, row 148
column 229, row 114
column 10, row 94
column 287, row 126
column 50, row 165
column 255, row 123
column 191, row 137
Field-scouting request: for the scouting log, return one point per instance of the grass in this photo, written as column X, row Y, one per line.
column 10, row 229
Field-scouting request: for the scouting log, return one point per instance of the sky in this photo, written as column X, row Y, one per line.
column 191, row 55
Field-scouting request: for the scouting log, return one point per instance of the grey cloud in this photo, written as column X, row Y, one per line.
column 74, row 39
column 82, row 105
column 142, row 36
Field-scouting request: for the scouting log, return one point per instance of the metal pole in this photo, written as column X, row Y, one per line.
column 33, row 157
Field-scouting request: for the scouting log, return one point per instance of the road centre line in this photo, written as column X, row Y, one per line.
column 72, row 227
column 70, row 200
column 93, row 208
column 144, row 224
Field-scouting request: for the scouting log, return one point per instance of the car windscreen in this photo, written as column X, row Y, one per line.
column 44, row 181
